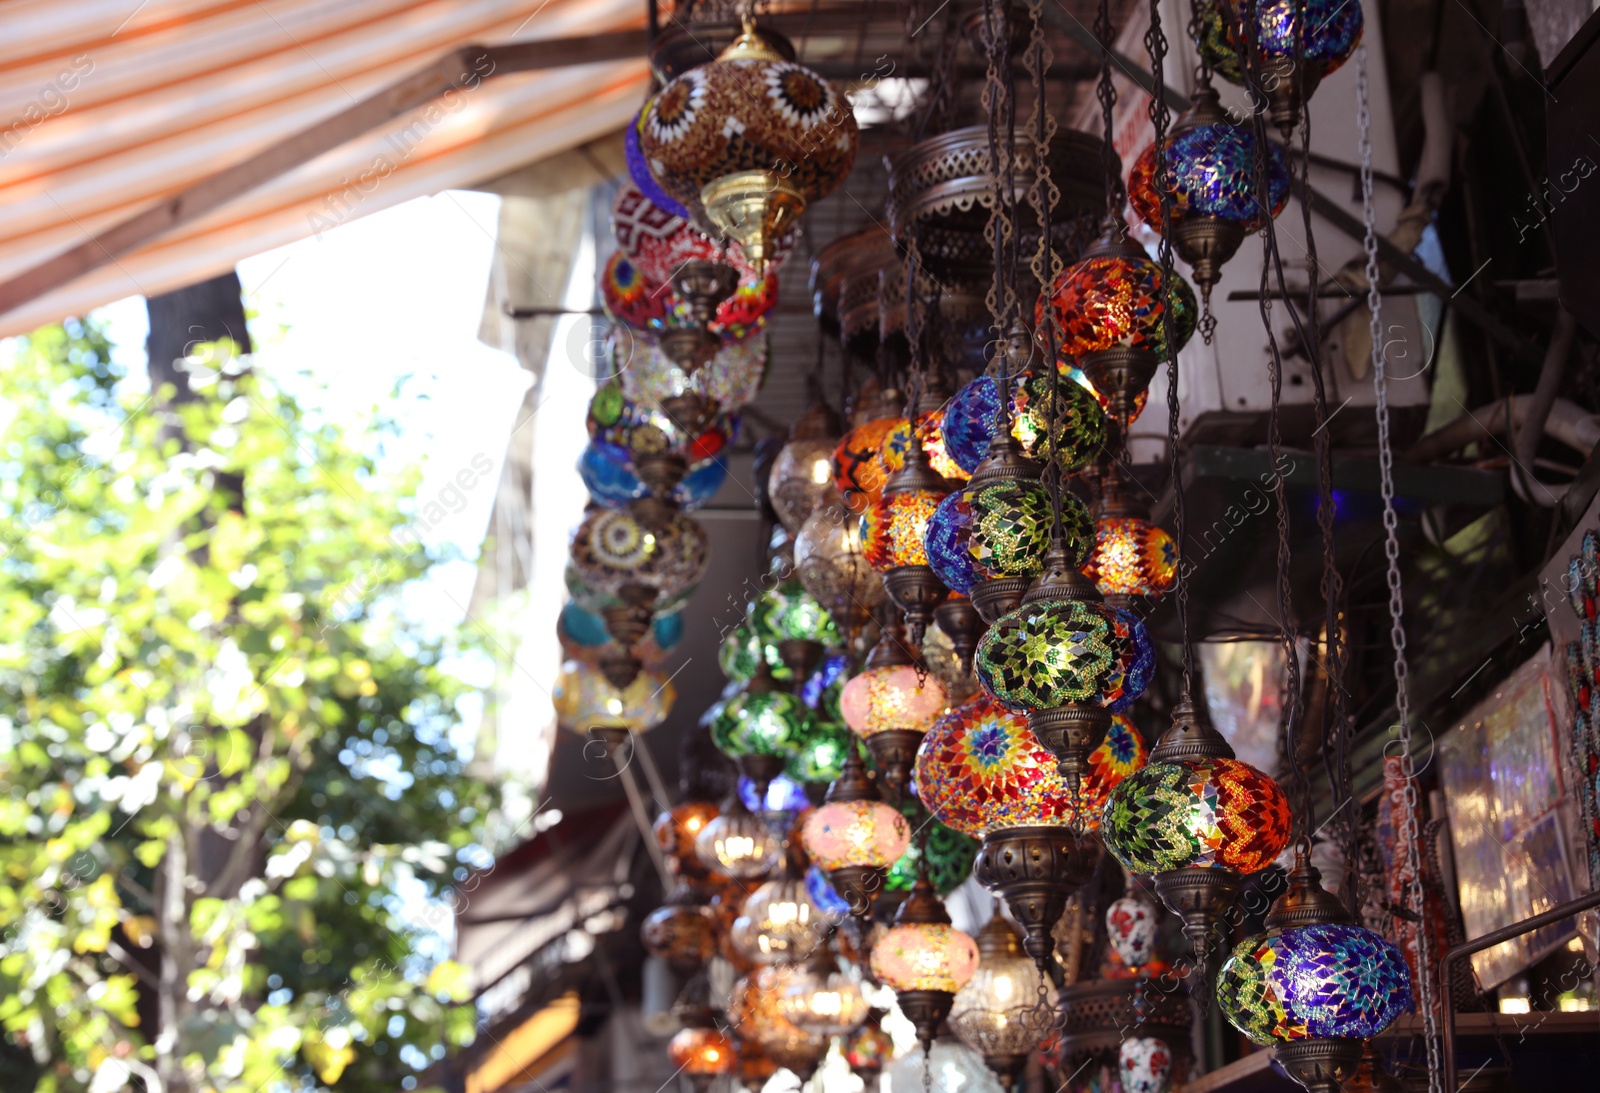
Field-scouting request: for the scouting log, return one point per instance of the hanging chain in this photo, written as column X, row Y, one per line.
column 1107, row 94
column 1155, row 41
column 1291, row 688
column 1000, row 110
column 1391, row 549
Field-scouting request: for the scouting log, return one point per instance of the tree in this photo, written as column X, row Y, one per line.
column 233, row 786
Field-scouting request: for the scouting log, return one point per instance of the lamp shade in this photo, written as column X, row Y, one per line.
column 1051, row 652
column 924, row 956
column 858, row 472
column 785, row 924
column 802, row 479
column 997, row 1012
column 730, row 379
column 1319, row 981
column 677, row 829
column 761, row 723
column 739, row 843
column 754, row 1013
column 1011, row 525
column 1215, row 812
column 787, row 612
column 829, row 561
column 842, row 834
column 1211, row 171
column 1333, row 30
column 1110, row 301
column 584, row 699
column 743, row 652
column 701, row 1052
column 974, row 415
column 893, row 696
column 652, row 547
column 949, row 855
column 1131, row 557
column 821, row 999
column 893, row 527
column 817, row 755
column 947, row 543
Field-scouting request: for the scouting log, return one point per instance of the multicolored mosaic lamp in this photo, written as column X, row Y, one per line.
column 1315, row 985
column 1211, row 176
column 1004, row 467
column 949, row 854
column 1068, row 661
column 1132, row 557
column 760, row 728
column 974, row 414
column 682, row 931
column 1196, row 820
column 752, row 137
column 858, row 471
column 924, row 960
column 855, row 837
column 643, row 557
column 1012, row 523
column 586, row 701
column 1108, row 310
column 1333, row 30
column 892, row 534
column 1005, row 1008
column 890, row 704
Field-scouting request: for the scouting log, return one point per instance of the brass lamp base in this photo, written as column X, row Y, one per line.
column 754, row 207
column 1121, row 374
column 1035, row 869
column 1201, row 897
column 628, row 620
column 620, row 667
column 801, row 656
column 998, row 596
column 1007, row 1068
column 761, row 769
column 704, row 285
column 1071, row 731
column 858, row 886
column 1322, row 1066
column 963, row 625
column 1206, row 243
column 660, row 472
column 916, row 591
column 688, row 347
column 895, row 753
column 926, row 1010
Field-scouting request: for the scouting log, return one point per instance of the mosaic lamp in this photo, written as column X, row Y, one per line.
column 1005, row 1008
column 1068, row 660
column 790, row 620
column 924, row 960
column 1315, row 985
column 859, row 469
column 1131, row 556
column 738, row 843
column 1196, row 820
column 752, row 137
column 818, row 755
column 587, row 702
column 1210, row 166
column 647, row 554
column 760, row 728
column 892, row 533
column 831, row 566
column 974, row 414
column 855, row 837
column 1109, row 313
column 890, row 704
column 676, row 831
column 870, row 1049
column 822, row 999
column 699, row 1049
column 682, row 931
column 949, row 854
column 1333, row 30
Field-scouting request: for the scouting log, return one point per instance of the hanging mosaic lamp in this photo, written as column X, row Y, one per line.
column 586, row 701
column 855, row 837
column 699, row 1049
column 890, row 704
column 947, row 543
column 639, row 170
column 1144, row 1065
column 753, row 138
column 729, row 380
column 676, row 831
column 646, row 555
column 802, row 475
column 1333, row 30
column 829, row 561
column 1211, row 176
column 1005, row 1008
column 860, row 465
column 1003, row 467
column 1132, row 557
column 818, row 755
column 1109, row 312
column 1066, row 659
column 1012, row 523
column 743, row 652
column 1315, row 985
column 924, row 960
column 760, row 728
column 738, row 843
column 823, row 1000
column 790, row 620
column 682, row 931
column 1196, row 820
column 892, row 533
column 869, row 1050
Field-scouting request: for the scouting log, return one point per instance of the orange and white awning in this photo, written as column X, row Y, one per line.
column 112, row 108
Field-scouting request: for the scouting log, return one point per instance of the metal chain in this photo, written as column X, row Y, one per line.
column 1291, row 690
column 1000, row 110
column 1391, row 549
column 1155, row 41
column 1107, row 95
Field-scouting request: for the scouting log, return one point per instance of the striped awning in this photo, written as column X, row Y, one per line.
column 113, row 109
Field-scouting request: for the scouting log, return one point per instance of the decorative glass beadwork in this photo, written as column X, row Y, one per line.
column 1317, row 982
column 1219, row 813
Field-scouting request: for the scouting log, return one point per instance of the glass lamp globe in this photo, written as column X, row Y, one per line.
column 761, row 722
column 1131, row 557
column 787, row 612
column 682, row 931
column 585, row 700
column 1333, row 31
column 1212, row 813
column 676, row 830
column 802, row 475
column 701, row 1052
column 754, row 1014
column 823, row 1000
column 832, row 567
column 786, row 927
column 731, row 379
column 893, row 527
column 738, row 843
column 947, row 543
column 1005, row 1008
column 842, row 834
column 819, row 754
column 1051, row 652
column 743, row 652
column 784, row 795
column 1110, row 301
column 930, row 431
column 1011, row 524
column 949, row 855
column 647, row 545
column 955, row 1068
column 893, row 696
column 859, row 471
column 924, row 960
column 973, row 415
column 1315, row 984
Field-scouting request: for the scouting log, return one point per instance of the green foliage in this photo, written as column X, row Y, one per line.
column 231, row 800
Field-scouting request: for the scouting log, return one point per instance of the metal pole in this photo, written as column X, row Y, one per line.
column 1494, row 937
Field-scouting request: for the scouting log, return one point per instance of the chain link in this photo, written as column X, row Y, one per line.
column 1107, row 94
column 1000, row 110
column 1391, row 549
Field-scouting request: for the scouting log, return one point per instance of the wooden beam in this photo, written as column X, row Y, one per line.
column 460, row 68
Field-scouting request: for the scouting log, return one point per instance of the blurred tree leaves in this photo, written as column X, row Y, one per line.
column 233, row 788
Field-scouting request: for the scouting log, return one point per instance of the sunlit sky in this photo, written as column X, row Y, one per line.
column 395, row 294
